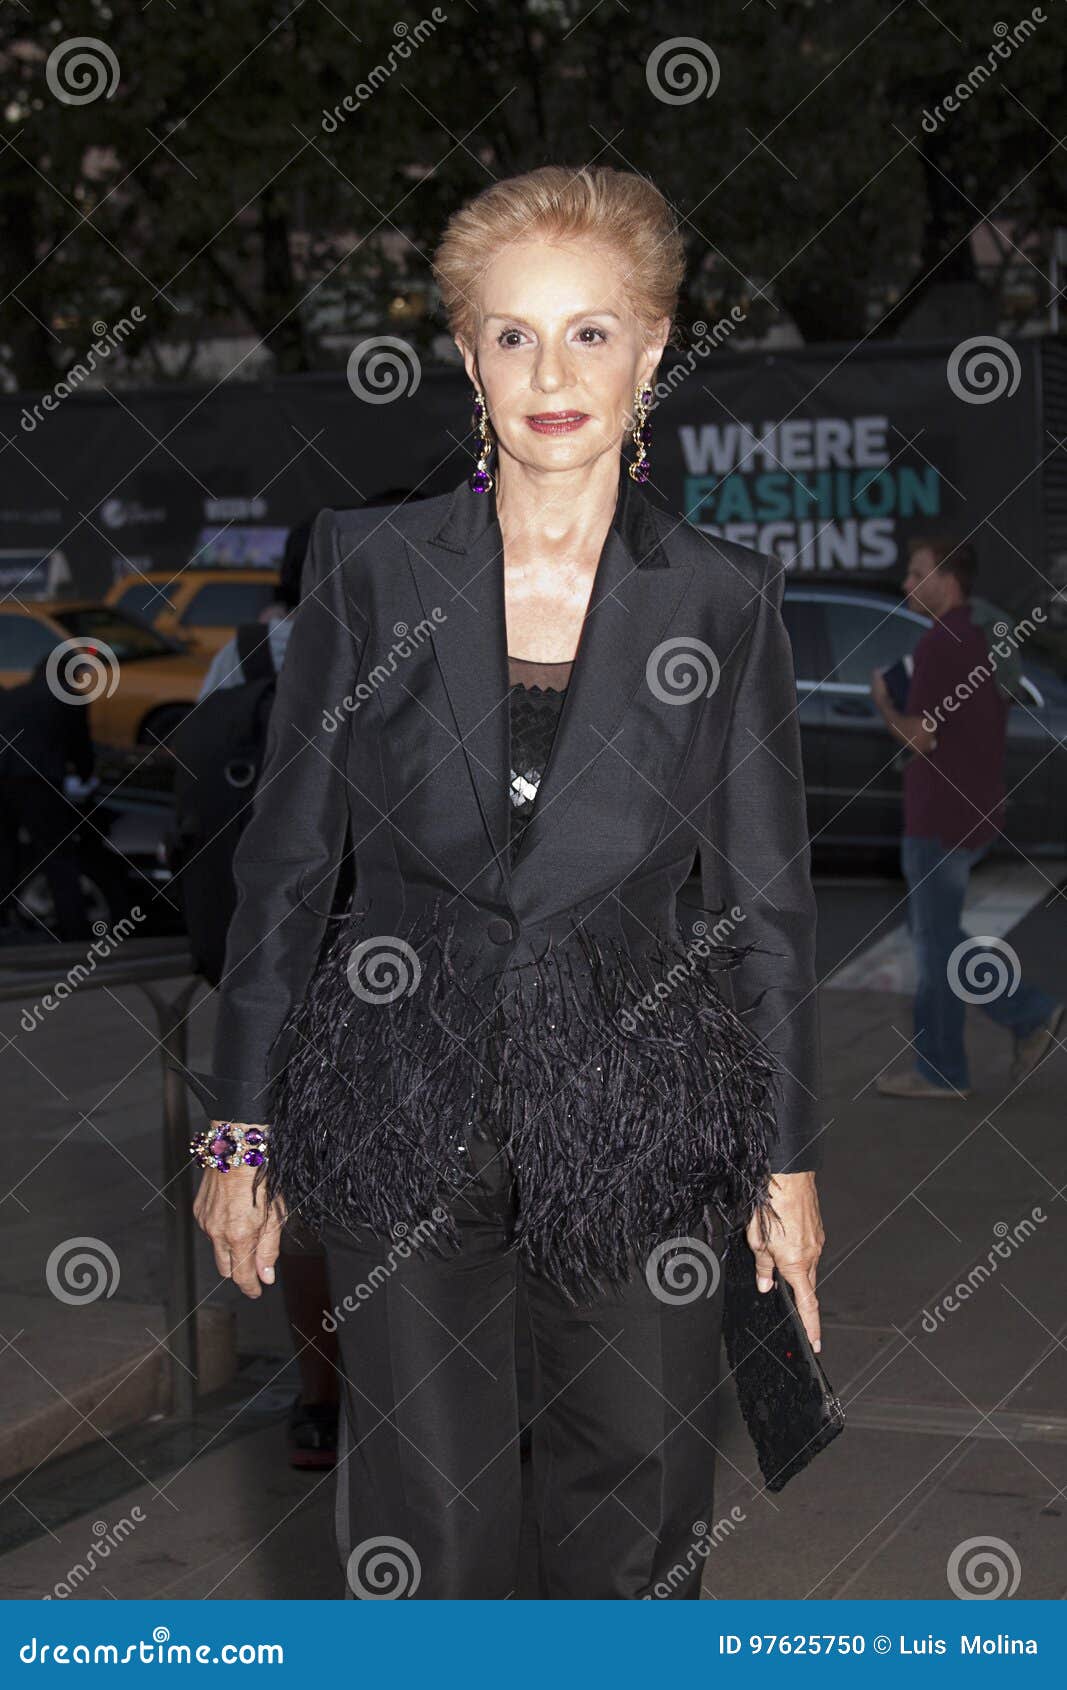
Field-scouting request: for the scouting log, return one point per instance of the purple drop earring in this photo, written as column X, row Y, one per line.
column 481, row 481
column 642, row 464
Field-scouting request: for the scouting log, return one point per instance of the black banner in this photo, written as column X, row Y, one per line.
column 829, row 457
column 834, row 460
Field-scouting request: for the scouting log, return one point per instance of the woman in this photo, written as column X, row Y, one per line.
column 503, row 1071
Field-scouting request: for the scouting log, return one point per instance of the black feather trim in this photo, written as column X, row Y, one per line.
column 628, row 1095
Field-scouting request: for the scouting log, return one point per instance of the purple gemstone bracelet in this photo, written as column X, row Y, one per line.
column 230, row 1145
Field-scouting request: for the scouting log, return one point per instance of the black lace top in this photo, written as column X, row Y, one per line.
column 535, row 701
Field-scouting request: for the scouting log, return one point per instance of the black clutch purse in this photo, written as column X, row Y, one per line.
column 787, row 1401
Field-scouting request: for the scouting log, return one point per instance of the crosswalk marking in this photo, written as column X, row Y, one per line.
column 999, row 896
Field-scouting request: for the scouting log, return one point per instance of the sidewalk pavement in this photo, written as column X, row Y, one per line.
column 957, row 1415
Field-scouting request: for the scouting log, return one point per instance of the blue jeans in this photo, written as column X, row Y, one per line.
column 937, row 884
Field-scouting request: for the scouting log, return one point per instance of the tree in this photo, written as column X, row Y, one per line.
column 262, row 170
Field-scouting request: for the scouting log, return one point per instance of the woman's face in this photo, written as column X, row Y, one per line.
column 559, row 352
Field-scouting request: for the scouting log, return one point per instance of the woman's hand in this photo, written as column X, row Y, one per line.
column 245, row 1231
column 794, row 1244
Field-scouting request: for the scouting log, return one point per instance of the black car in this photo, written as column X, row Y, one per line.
column 852, row 772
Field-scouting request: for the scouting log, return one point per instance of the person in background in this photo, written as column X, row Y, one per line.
column 954, row 801
column 225, row 667
column 44, row 737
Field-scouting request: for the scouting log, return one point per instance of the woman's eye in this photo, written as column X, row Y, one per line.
column 589, row 335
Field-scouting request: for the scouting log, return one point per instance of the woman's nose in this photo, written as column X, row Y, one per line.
column 551, row 370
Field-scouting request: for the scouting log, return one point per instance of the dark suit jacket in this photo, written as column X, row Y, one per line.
column 389, row 739
column 47, row 734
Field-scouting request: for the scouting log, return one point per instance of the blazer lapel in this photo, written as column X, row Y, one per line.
column 636, row 590
column 635, row 593
column 461, row 572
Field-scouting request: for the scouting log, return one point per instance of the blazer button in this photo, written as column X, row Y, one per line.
column 500, row 930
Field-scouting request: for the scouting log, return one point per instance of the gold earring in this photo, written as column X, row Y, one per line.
column 481, row 481
column 642, row 464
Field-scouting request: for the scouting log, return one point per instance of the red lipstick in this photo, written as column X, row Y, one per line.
column 557, row 422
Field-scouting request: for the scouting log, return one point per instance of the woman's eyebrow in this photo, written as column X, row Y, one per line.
column 511, row 317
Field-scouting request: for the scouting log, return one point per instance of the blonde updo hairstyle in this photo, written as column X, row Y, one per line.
column 622, row 212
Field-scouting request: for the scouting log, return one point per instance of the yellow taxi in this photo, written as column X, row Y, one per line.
column 200, row 607
column 137, row 681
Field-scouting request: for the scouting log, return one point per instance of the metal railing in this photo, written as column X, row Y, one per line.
column 28, row 971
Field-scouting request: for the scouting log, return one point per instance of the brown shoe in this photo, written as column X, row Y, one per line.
column 1032, row 1050
column 908, row 1082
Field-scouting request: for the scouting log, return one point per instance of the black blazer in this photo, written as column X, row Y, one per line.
column 389, row 742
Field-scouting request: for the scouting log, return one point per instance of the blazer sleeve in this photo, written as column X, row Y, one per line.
column 760, row 858
column 289, row 856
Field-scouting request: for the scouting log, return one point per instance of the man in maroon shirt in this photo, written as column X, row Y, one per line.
column 954, row 798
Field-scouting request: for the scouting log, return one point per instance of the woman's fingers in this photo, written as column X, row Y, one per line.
column 764, row 1267
column 245, row 1236
column 210, row 1218
column 801, row 1284
column 269, row 1244
column 800, row 1277
column 254, row 1249
column 793, row 1245
column 763, row 1252
column 243, row 1263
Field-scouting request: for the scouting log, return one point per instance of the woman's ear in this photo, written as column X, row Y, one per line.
column 470, row 360
column 655, row 343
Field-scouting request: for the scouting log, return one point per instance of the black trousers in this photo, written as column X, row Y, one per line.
column 621, row 1413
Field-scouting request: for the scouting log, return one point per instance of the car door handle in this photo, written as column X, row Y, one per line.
column 852, row 707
